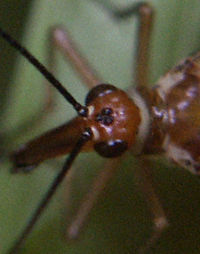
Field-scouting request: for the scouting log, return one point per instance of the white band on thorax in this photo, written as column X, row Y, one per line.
column 144, row 127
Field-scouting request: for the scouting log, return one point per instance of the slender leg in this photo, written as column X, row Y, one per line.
column 160, row 222
column 90, row 199
column 145, row 14
column 61, row 40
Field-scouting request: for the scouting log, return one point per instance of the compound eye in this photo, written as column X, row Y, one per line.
column 111, row 149
column 99, row 90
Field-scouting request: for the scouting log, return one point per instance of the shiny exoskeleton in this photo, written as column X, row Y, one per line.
column 112, row 117
column 166, row 121
column 176, row 118
column 163, row 120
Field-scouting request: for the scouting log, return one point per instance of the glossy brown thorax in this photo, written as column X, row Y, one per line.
column 115, row 119
column 176, row 115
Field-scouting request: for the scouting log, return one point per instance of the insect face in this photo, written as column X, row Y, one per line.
column 115, row 120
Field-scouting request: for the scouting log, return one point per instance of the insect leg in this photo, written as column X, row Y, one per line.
column 88, row 202
column 160, row 222
column 145, row 15
column 61, row 40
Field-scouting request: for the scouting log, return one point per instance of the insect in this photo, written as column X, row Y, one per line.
column 105, row 117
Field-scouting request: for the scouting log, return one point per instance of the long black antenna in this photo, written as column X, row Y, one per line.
column 85, row 136
column 81, row 110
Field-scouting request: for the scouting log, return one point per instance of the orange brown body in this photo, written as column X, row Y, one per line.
column 163, row 120
column 177, row 114
column 173, row 107
column 119, row 126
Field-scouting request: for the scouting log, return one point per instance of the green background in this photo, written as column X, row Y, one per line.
column 120, row 222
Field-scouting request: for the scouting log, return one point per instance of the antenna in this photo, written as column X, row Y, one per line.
column 81, row 110
column 84, row 137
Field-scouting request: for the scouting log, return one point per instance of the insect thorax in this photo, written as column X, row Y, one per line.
column 175, row 128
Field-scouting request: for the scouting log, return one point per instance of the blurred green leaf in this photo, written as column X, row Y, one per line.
column 120, row 222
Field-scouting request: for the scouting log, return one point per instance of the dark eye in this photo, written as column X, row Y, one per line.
column 99, row 90
column 111, row 149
